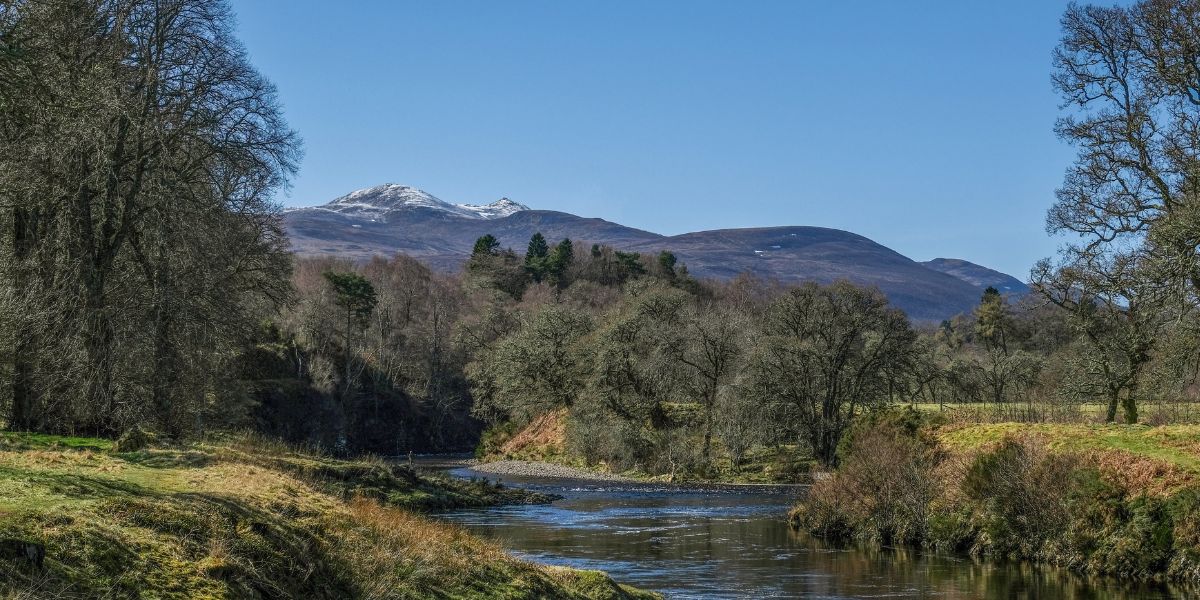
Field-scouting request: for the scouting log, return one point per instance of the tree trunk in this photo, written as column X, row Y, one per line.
column 1113, row 399
column 98, row 343
column 164, row 371
column 708, row 428
column 1129, row 405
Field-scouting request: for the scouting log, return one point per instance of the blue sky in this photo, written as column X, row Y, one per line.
column 926, row 126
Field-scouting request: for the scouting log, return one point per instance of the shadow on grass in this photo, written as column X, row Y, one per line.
column 74, row 485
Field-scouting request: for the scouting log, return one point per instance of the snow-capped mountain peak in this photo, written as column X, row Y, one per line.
column 500, row 208
column 375, row 203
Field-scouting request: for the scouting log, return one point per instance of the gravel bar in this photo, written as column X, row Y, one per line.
column 529, row 468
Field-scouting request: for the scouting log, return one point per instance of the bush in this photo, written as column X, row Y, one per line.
column 1014, row 499
column 1020, row 496
column 134, row 439
column 883, row 488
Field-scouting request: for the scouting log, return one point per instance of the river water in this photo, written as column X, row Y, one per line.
column 733, row 543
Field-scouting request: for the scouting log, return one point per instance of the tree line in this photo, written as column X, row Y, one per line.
column 146, row 280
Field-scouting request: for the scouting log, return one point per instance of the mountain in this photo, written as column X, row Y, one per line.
column 393, row 218
column 383, row 200
column 978, row 276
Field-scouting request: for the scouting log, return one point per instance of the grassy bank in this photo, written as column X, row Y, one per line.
column 240, row 518
column 1114, row 500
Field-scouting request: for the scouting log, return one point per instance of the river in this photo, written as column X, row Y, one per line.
column 705, row 542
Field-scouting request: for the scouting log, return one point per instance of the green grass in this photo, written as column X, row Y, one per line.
column 239, row 518
column 33, row 441
column 1178, row 445
column 1085, row 409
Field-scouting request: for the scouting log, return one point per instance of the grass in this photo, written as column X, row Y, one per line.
column 1156, row 412
column 1161, row 459
column 1175, row 444
column 241, row 518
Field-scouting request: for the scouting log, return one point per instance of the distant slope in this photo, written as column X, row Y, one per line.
column 388, row 219
column 793, row 254
column 978, row 276
column 442, row 239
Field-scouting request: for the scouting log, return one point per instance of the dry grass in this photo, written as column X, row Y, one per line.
column 545, row 435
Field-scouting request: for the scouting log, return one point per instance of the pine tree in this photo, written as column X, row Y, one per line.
column 486, row 245
column 354, row 293
column 559, row 261
column 536, row 256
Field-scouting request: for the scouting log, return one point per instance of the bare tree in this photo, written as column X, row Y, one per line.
column 829, row 353
column 136, row 175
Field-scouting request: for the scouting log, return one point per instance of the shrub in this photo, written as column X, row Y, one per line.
column 133, row 439
column 1020, row 496
column 883, row 488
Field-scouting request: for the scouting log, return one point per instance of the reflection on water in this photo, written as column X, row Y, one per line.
column 715, row 543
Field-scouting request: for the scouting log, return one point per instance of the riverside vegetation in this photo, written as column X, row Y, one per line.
column 243, row 517
column 147, row 285
column 1101, row 499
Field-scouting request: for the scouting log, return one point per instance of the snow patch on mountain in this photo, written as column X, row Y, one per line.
column 375, row 203
column 500, row 208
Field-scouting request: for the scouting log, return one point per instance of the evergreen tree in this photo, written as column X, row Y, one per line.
column 559, row 261
column 354, row 293
column 486, row 245
column 536, row 256
column 666, row 264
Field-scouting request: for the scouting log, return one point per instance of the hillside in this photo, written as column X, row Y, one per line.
column 978, row 275
column 793, row 254
column 388, row 219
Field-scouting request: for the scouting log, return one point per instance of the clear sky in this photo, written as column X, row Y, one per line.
column 926, row 126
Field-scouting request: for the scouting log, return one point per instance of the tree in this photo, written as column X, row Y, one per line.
column 1118, row 313
column 137, row 164
column 711, row 348
column 486, row 245
column 1128, row 77
column 491, row 267
column 536, row 368
column 635, row 357
column 829, row 353
column 559, row 261
column 356, row 295
column 1002, row 368
column 536, row 256
column 666, row 264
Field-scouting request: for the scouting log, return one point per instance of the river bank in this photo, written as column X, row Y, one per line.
column 243, row 517
column 1110, row 500
column 716, row 541
column 540, row 448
